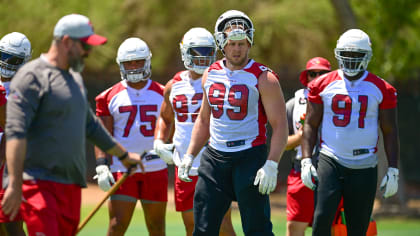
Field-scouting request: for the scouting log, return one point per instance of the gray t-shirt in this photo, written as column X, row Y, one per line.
column 48, row 106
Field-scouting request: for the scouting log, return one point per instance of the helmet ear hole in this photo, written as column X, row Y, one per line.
column 133, row 49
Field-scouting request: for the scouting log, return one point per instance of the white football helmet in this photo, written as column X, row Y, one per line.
column 198, row 49
column 240, row 23
column 15, row 50
column 353, row 41
column 130, row 50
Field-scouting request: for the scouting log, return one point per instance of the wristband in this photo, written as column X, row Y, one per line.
column 101, row 161
column 123, row 156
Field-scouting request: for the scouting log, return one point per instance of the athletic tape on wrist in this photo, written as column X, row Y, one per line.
column 123, row 156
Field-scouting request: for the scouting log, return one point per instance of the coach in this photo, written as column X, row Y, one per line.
column 48, row 121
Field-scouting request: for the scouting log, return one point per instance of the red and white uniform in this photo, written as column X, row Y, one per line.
column 299, row 110
column 238, row 118
column 134, row 113
column 299, row 198
column 186, row 97
column 350, row 118
column 4, row 91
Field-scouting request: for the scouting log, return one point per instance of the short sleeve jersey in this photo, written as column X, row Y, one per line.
column 351, row 111
column 186, row 97
column 134, row 113
column 238, row 120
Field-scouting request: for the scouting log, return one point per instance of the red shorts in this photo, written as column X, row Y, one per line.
column 5, row 218
column 300, row 199
column 51, row 208
column 151, row 186
column 184, row 192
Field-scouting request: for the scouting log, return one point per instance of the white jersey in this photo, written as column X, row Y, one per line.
column 238, row 119
column 350, row 118
column 134, row 113
column 186, row 97
column 299, row 111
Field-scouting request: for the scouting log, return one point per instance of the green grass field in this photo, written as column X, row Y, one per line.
column 174, row 226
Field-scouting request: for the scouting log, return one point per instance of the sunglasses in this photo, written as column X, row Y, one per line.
column 85, row 46
column 317, row 73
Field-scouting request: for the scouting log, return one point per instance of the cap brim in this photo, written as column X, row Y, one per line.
column 318, row 67
column 94, row 40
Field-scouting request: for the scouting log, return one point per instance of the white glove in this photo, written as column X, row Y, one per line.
column 163, row 150
column 267, row 177
column 390, row 182
column 184, row 168
column 307, row 172
column 104, row 176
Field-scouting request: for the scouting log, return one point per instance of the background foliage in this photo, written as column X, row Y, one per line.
column 288, row 33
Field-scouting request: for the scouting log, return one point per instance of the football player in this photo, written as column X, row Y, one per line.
column 129, row 110
column 349, row 105
column 183, row 97
column 239, row 96
column 15, row 50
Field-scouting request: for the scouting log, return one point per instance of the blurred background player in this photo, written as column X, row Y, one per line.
column 183, row 97
column 15, row 49
column 239, row 96
column 350, row 105
column 129, row 110
column 300, row 199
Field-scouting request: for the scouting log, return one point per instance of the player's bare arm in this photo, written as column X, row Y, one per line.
column 166, row 117
column 294, row 140
column 313, row 119
column 275, row 108
column 201, row 133
column 107, row 122
column 15, row 158
column 389, row 126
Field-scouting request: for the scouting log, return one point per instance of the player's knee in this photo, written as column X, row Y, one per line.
column 156, row 231
column 296, row 228
column 118, row 225
column 189, row 225
column 156, row 227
